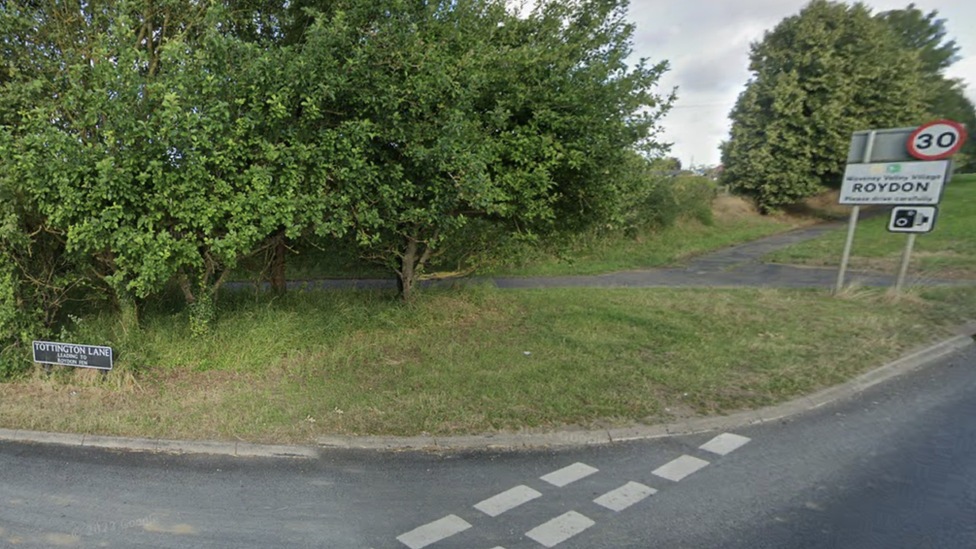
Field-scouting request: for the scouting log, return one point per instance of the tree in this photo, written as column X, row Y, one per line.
column 171, row 154
column 476, row 113
column 37, row 271
column 671, row 164
column 945, row 97
column 162, row 141
column 817, row 77
column 925, row 34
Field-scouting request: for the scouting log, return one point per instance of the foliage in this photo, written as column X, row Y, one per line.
column 650, row 199
column 38, row 274
column 817, row 77
column 477, row 113
column 13, row 322
column 925, row 34
column 152, row 142
column 945, row 97
column 174, row 161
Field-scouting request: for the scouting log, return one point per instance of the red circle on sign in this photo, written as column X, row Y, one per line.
column 926, row 143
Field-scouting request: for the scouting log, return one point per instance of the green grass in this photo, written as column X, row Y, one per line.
column 653, row 248
column 472, row 360
column 948, row 251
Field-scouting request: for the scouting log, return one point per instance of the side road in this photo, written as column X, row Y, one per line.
column 522, row 440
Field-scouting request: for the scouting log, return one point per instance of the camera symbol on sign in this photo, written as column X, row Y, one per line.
column 909, row 218
column 917, row 219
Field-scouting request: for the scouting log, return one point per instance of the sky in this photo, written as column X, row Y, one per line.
column 707, row 42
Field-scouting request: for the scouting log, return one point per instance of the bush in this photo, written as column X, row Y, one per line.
column 648, row 198
column 12, row 325
column 37, row 277
column 648, row 201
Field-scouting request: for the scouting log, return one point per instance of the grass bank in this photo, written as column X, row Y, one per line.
column 949, row 251
column 688, row 238
column 471, row 360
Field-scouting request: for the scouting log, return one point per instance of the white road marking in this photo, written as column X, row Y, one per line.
column 725, row 443
column 433, row 532
column 569, row 474
column 507, row 500
column 559, row 529
column 625, row 496
column 679, row 468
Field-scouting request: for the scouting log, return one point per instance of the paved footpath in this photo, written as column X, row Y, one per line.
column 732, row 267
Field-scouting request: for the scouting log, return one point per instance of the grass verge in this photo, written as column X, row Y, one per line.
column 948, row 252
column 688, row 238
column 472, row 360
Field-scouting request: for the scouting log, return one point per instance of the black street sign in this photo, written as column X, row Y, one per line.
column 73, row 354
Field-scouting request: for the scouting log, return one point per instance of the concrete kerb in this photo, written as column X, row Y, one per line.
column 517, row 440
column 237, row 449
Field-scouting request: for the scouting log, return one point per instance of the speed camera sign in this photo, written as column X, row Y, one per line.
column 937, row 140
column 912, row 219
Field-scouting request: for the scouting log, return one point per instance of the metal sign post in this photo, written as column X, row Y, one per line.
column 852, row 222
column 930, row 143
column 914, row 220
column 848, row 244
column 906, row 258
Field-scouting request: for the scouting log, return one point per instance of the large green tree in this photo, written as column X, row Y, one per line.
column 171, row 152
column 945, row 97
column 477, row 113
column 817, row 77
column 164, row 140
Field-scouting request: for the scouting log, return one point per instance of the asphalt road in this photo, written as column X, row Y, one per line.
column 892, row 468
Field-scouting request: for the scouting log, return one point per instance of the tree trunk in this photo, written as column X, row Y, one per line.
column 407, row 277
column 279, row 250
column 129, row 311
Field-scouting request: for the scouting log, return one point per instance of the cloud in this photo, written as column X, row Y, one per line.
column 707, row 45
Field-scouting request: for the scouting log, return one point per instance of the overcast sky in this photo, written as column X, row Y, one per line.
column 707, row 45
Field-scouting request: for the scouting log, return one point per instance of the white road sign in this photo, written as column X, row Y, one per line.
column 894, row 183
column 937, row 140
column 912, row 219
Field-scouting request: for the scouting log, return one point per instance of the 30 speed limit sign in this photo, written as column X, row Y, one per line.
column 937, row 140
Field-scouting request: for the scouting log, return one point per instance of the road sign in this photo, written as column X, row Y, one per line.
column 937, row 140
column 912, row 219
column 894, row 183
column 73, row 354
column 887, row 145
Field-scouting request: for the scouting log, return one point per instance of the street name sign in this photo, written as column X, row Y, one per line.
column 912, row 219
column 894, row 183
column 73, row 354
